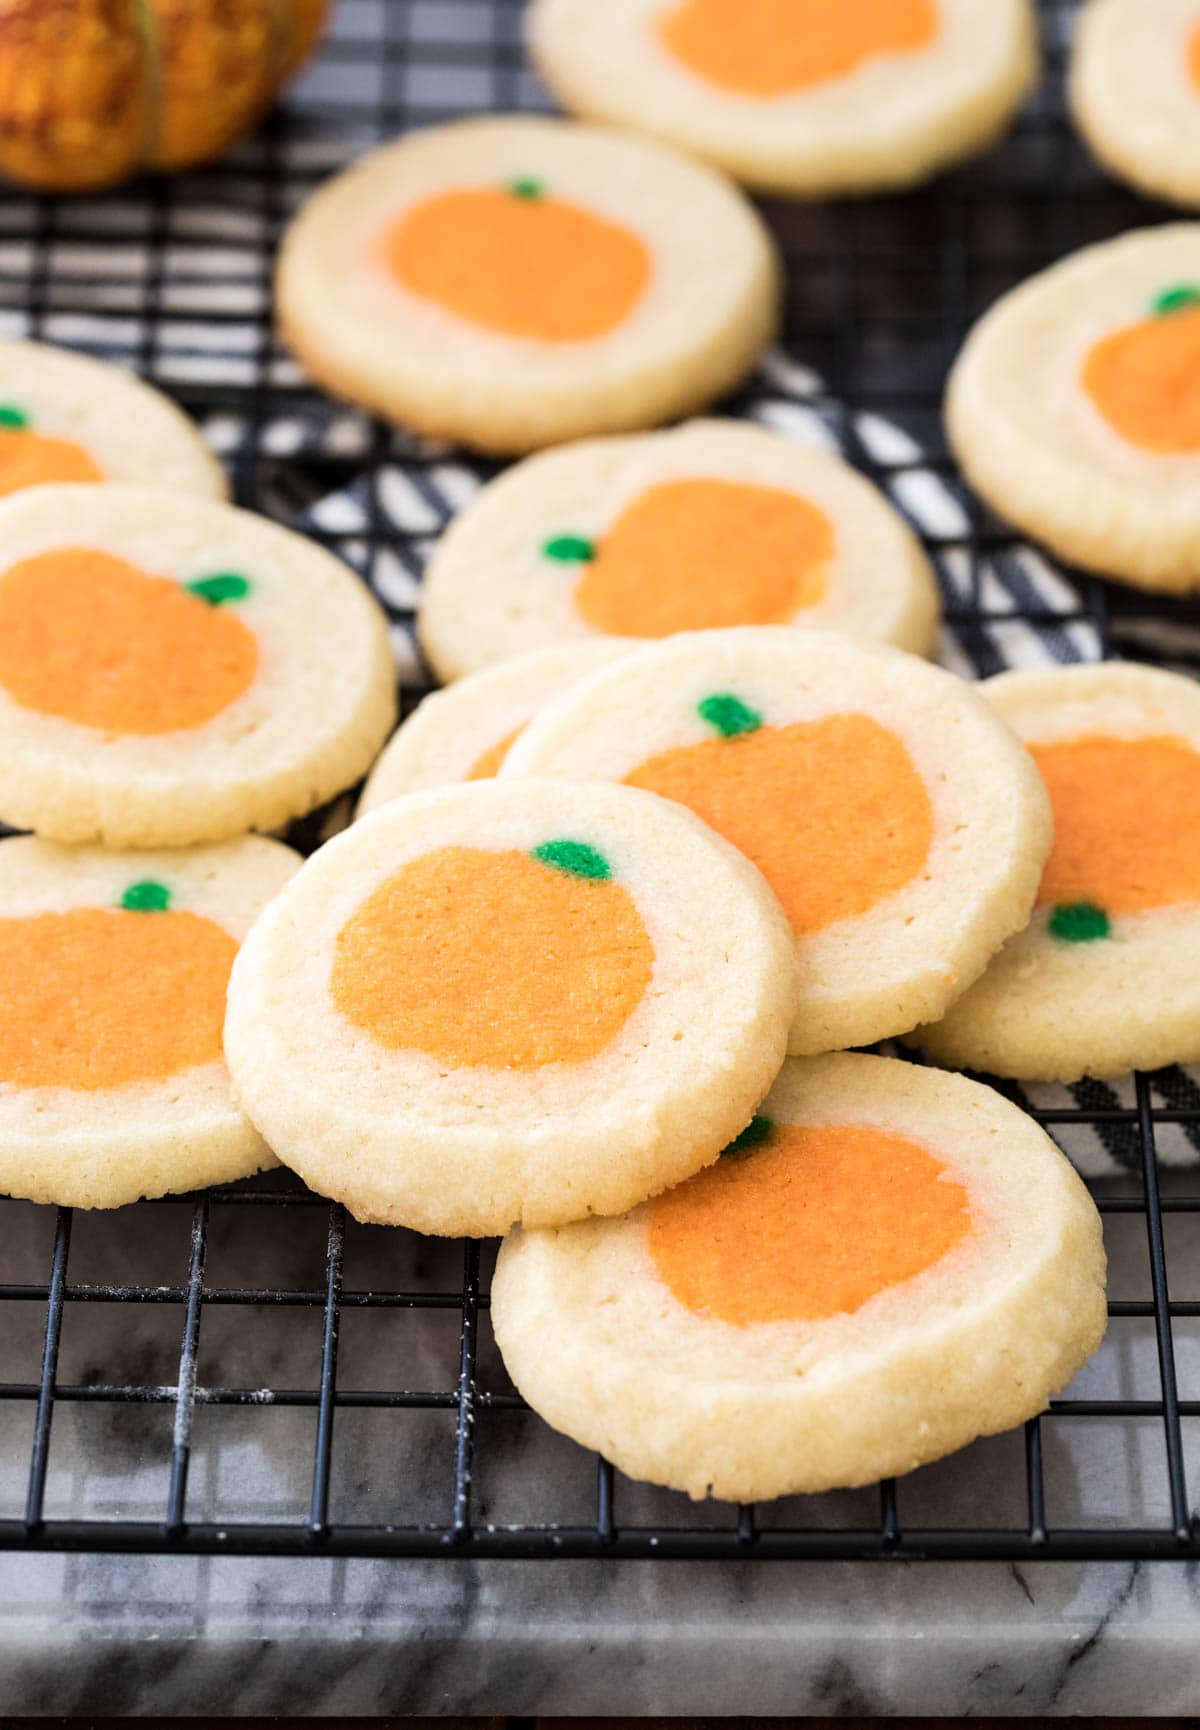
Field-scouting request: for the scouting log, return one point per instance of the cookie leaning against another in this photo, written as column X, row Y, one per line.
column 510, row 1001
column 464, row 733
column 1134, row 89
column 1074, row 407
column 112, row 1081
column 513, row 281
column 1106, row 978
column 175, row 671
column 711, row 524
column 802, row 97
column 893, row 1262
column 67, row 417
column 899, row 822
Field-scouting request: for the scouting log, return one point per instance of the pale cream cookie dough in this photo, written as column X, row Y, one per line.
column 899, row 822
column 112, row 1081
column 513, row 281
column 175, row 671
column 810, row 98
column 890, row 1263
column 1106, row 977
column 464, row 733
column 510, row 1001
column 1134, row 91
column 1074, row 408
column 67, row 417
column 711, row 524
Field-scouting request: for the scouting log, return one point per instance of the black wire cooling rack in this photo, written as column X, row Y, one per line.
column 141, row 1413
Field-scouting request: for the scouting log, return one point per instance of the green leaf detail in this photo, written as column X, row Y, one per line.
column 576, row 857
column 1079, row 922
column 1176, row 298
column 146, row 897
column 570, row 549
column 754, row 1134
column 526, row 186
column 221, row 587
column 729, row 715
column 13, row 417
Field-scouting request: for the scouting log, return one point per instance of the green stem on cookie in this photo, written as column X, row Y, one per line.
column 729, row 715
column 576, row 857
column 1079, row 922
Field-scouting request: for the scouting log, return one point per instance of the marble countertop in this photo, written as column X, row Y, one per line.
column 119, row 1635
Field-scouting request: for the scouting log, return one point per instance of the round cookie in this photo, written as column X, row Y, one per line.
column 67, row 417
column 1134, row 91
column 112, row 1081
column 898, row 821
column 509, row 1002
column 891, row 1263
column 513, row 281
column 1106, row 977
column 174, row 671
column 802, row 97
column 712, row 524
column 1074, row 408
column 463, row 734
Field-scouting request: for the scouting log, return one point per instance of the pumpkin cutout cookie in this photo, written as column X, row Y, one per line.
column 1074, row 408
column 464, row 733
column 112, row 1081
column 174, row 671
column 67, row 417
column 513, row 281
column 1134, row 88
column 510, row 1001
column 888, row 1264
column 810, row 98
column 712, row 524
column 900, row 824
column 1106, row 977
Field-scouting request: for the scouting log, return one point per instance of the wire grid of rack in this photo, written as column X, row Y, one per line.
column 879, row 296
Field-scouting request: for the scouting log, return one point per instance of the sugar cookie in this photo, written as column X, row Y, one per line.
column 1134, row 90
column 1107, row 976
column 112, row 1082
column 512, row 281
column 67, row 417
column 802, row 97
column 1075, row 407
column 898, row 821
column 890, row 1263
column 463, row 734
column 174, row 671
column 510, row 1001
column 712, row 524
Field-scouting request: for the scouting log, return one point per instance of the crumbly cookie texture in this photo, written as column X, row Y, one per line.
column 716, row 522
column 112, row 1080
column 898, row 819
column 844, row 101
column 512, row 281
column 1134, row 91
column 174, row 671
column 1068, row 408
column 725, row 1341
column 464, row 733
column 1106, row 976
column 508, row 1002
column 67, row 417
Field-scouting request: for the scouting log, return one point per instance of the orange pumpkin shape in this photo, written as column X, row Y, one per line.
column 92, row 91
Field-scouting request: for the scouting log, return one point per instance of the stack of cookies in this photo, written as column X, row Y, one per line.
column 693, row 817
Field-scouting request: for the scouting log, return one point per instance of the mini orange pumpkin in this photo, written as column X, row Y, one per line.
column 91, row 91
